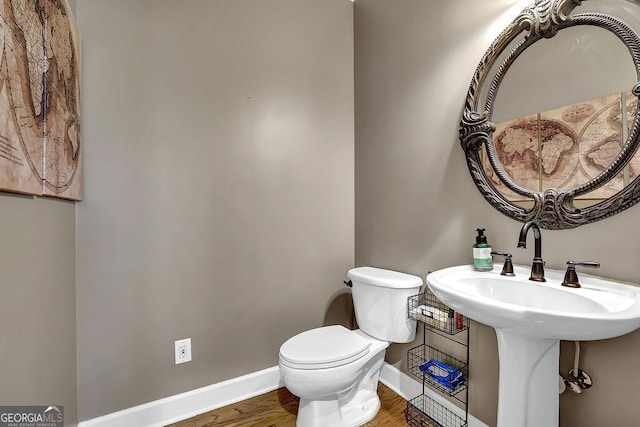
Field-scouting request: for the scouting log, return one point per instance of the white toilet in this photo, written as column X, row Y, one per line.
column 334, row 370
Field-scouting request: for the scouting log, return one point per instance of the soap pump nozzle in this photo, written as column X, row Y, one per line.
column 481, row 238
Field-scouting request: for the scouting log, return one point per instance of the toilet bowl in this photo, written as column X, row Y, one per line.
column 337, row 385
column 335, row 370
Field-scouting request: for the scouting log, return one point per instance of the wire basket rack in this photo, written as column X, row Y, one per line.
column 417, row 356
column 426, row 308
column 439, row 416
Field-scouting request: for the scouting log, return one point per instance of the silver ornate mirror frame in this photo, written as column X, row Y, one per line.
column 553, row 208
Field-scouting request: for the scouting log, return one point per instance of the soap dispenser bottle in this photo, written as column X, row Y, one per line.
column 482, row 259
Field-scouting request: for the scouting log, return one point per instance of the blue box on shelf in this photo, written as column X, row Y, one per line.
column 444, row 374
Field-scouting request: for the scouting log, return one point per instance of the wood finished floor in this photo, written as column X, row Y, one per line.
column 279, row 408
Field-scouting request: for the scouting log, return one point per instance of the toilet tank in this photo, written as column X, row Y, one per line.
column 380, row 302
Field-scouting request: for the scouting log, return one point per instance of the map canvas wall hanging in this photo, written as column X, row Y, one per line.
column 517, row 145
column 581, row 142
column 562, row 147
column 631, row 103
column 40, row 150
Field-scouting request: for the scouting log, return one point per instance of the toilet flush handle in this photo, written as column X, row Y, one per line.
column 349, row 283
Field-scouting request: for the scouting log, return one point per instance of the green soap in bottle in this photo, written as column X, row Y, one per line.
column 482, row 259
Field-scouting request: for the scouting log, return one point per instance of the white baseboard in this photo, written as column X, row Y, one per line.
column 189, row 404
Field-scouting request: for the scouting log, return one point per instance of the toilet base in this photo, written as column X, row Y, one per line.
column 341, row 396
column 322, row 413
column 351, row 407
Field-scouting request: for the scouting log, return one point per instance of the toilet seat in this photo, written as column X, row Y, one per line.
column 321, row 348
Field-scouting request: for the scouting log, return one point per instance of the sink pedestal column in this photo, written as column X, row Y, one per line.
column 528, row 383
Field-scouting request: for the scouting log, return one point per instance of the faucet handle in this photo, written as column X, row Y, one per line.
column 507, row 268
column 571, row 277
column 591, row 264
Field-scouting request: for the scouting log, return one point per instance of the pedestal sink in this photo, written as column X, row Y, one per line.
column 530, row 319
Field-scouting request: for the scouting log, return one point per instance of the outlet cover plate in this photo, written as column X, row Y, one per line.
column 183, row 351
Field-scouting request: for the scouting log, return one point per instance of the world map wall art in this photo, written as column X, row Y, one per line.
column 40, row 150
column 566, row 146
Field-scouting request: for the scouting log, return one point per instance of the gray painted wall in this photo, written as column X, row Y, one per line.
column 37, row 308
column 417, row 207
column 264, row 237
column 219, row 188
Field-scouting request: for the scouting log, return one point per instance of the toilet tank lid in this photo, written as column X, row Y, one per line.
column 384, row 278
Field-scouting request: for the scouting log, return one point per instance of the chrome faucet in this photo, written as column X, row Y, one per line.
column 537, row 267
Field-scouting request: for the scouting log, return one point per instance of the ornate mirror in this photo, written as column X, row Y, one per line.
column 561, row 165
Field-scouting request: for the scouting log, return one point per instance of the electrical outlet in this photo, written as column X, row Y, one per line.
column 183, row 351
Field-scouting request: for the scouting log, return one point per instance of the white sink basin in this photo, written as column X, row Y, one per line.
column 530, row 319
column 600, row 309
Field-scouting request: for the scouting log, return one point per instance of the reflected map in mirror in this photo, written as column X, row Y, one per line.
column 565, row 147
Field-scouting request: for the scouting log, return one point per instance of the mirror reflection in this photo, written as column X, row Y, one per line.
column 566, row 147
column 551, row 123
column 542, row 147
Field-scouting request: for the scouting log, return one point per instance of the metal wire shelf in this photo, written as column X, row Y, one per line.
column 423, row 410
column 417, row 356
column 439, row 416
column 444, row 321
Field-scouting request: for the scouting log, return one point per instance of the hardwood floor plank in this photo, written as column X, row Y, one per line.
column 279, row 409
